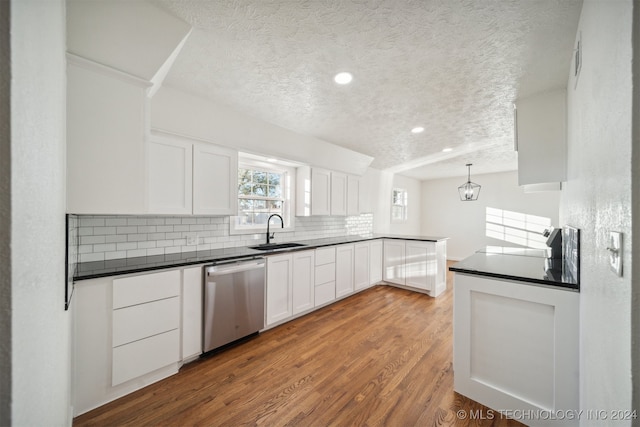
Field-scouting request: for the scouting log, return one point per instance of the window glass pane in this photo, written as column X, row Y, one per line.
column 275, row 206
column 244, row 176
column 259, row 177
column 274, row 178
column 245, row 204
column 244, row 189
column 259, row 204
column 274, row 191
column 259, row 190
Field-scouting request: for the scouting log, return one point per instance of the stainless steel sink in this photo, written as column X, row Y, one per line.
column 272, row 246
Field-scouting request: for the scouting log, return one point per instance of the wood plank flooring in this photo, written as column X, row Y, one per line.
column 382, row 357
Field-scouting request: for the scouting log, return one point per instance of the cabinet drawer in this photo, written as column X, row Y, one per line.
column 145, row 288
column 144, row 356
column 144, row 320
column 325, row 255
column 325, row 273
column 325, row 293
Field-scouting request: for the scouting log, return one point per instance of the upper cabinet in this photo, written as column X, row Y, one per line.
column 338, row 193
column 191, row 177
column 105, row 140
column 541, row 138
column 323, row 192
column 215, row 180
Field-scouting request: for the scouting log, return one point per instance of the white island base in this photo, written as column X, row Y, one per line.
column 516, row 349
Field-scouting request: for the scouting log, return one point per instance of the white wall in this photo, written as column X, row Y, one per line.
column 597, row 199
column 40, row 327
column 177, row 112
column 443, row 214
column 5, row 216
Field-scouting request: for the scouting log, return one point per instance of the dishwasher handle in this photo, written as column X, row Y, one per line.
column 217, row 270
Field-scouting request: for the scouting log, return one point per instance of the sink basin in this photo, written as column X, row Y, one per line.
column 271, row 246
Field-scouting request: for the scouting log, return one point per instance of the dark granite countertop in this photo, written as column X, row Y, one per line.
column 526, row 265
column 115, row 267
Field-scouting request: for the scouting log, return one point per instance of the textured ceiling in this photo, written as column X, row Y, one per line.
column 454, row 67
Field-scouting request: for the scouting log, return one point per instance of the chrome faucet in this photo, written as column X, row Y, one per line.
column 270, row 236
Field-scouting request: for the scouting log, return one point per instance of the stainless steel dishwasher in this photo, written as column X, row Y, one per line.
column 233, row 301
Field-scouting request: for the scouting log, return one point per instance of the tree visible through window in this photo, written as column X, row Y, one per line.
column 260, row 194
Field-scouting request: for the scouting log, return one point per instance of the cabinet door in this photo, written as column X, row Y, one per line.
column 419, row 257
column 215, row 180
column 375, row 262
column 338, row 193
column 191, row 312
column 320, row 192
column 361, row 265
column 344, row 270
column 394, row 261
column 169, row 176
column 303, row 281
column 279, row 287
column 353, row 195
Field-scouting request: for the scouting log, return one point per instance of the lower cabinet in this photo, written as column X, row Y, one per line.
column 192, row 278
column 279, row 288
column 375, row 261
column 361, row 271
column 416, row 264
column 129, row 332
column 325, row 276
column 516, row 346
column 344, row 270
column 303, row 292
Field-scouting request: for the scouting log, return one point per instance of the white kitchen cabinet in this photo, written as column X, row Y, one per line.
column 541, row 138
column 338, row 194
column 344, row 270
column 170, row 176
column 416, row 264
column 105, row 167
column 188, row 177
column 279, row 288
column 215, row 180
column 192, row 278
column 313, row 191
column 303, row 281
column 375, row 261
column 325, row 276
column 394, row 261
column 417, row 256
column 126, row 335
column 517, row 346
column 353, row 195
column 361, row 266
column 145, row 324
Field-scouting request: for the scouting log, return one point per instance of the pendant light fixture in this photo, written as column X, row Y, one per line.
column 469, row 191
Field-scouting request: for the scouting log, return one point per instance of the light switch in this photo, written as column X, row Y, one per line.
column 615, row 252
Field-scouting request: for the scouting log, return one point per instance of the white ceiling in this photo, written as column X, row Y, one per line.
column 454, row 67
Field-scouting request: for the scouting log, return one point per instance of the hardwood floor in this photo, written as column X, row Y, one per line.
column 382, row 357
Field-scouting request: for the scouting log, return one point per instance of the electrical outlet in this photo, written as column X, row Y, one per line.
column 192, row 239
column 615, row 252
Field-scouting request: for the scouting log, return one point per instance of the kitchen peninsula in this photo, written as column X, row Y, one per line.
column 516, row 319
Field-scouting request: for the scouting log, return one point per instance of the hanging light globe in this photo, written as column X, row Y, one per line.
column 469, row 191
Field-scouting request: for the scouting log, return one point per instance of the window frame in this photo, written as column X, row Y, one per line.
column 288, row 191
column 404, row 205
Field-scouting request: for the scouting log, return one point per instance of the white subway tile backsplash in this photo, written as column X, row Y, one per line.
column 91, row 240
column 127, row 229
column 111, row 237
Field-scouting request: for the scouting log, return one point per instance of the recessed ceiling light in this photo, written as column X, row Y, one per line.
column 272, row 160
column 447, row 150
column 343, row 78
column 417, row 129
